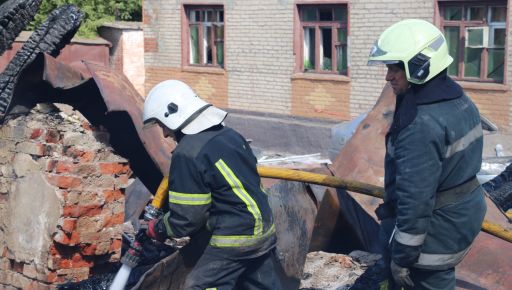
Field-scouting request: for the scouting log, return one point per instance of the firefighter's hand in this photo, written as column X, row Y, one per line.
column 401, row 275
column 156, row 230
column 178, row 243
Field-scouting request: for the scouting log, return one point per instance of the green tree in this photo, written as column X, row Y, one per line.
column 96, row 12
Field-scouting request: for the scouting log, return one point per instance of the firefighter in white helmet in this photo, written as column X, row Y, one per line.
column 433, row 206
column 213, row 183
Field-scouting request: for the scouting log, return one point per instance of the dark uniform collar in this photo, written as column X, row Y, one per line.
column 438, row 89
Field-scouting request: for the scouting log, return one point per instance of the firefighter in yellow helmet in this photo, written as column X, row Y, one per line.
column 213, row 183
column 433, row 206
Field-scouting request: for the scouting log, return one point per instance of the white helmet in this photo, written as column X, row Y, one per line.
column 175, row 105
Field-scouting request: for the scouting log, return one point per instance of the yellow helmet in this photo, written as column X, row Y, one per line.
column 418, row 44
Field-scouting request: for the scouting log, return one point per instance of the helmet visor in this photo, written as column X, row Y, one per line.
column 379, row 62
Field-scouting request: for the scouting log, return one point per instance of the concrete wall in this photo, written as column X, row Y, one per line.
column 259, row 73
column 61, row 200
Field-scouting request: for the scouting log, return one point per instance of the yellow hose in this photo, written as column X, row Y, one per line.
column 161, row 194
column 359, row 187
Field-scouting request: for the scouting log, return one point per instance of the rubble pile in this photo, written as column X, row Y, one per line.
column 61, row 200
column 332, row 271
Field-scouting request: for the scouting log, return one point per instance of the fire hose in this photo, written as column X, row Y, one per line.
column 320, row 179
column 154, row 210
column 359, row 187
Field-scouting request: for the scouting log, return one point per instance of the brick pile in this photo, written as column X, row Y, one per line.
column 61, row 201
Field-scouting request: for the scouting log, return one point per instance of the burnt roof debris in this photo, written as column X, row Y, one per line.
column 50, row 37
column 14, row 16
column 106, row 98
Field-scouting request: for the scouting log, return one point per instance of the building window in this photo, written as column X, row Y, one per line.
column 205, row 35
column 323, row 38
column 476, row 35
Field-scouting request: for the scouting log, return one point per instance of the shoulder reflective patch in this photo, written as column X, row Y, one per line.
column 190, row 198
column 239, row 190
column 240, row 241
column 465, row 141
column 409, row 239
column 441, row 259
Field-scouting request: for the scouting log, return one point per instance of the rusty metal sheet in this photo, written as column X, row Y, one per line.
column 72, row 53
column 61, row 75
column 120, row 95
column 106, row 98
column 362, row 158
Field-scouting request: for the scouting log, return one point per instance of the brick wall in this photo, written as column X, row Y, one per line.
column 494, row 104
column 260, row 57
column 61, row 201
column 328, row 98
column 368, row 19
column 212, row 87
column 127, row 50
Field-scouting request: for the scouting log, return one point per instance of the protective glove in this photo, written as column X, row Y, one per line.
column 156, row 230
column 401, row 275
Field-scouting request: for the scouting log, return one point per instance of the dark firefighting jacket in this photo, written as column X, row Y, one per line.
column 433, row 152
column 213, row 181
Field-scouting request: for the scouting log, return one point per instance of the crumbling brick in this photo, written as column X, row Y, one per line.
column 66, row 182
column 88, row 249
column 30, row 271
column 78, row 210
column 36, row 133
column 52, row 136
column 31, row 148
column 68, row 225
column 114, row 219
column 16, row 266
column 89, row 198
column 114, row 168
column 63, row 238
column 111, row 195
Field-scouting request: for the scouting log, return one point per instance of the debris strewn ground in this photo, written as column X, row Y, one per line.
column 335, row 271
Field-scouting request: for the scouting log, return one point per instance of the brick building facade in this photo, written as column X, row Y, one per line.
column 263, row 48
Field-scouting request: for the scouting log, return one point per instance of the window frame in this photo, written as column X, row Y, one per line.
column 201, row 24
column 334, row 25
column 463, row 24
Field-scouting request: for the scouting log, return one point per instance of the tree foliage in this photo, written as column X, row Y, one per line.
column 96, row 12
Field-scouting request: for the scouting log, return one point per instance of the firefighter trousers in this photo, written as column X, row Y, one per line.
column 213, row 272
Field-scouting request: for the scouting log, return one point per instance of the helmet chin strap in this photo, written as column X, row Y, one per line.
column 193, row 116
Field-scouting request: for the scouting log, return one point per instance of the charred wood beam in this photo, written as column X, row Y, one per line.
column 50, row 37
column 14, row 16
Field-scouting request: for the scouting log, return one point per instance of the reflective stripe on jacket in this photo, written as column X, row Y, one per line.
column 213, row 180
column 439, row 150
